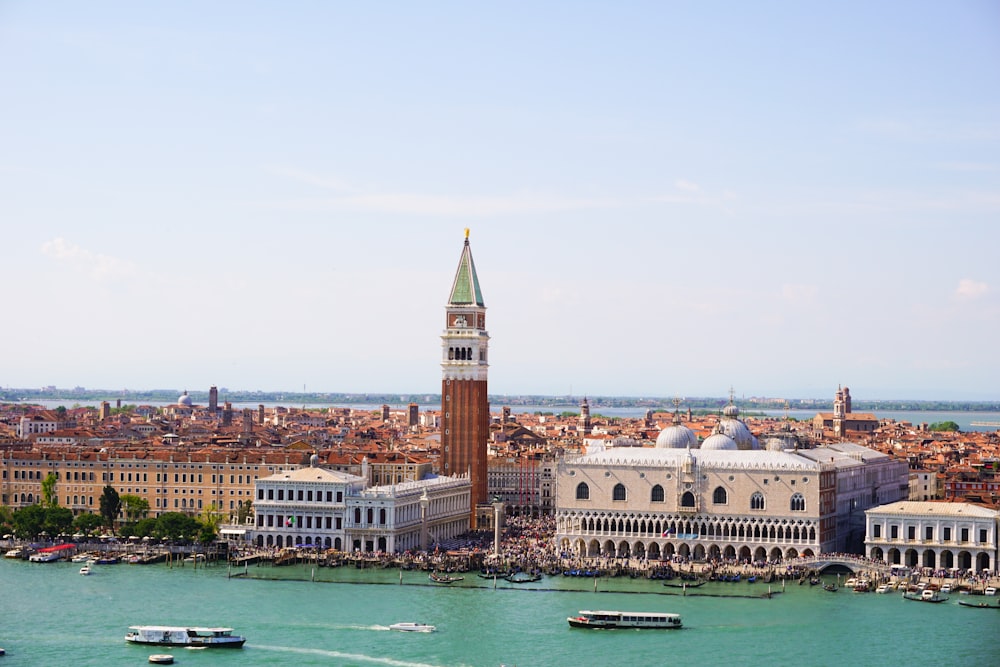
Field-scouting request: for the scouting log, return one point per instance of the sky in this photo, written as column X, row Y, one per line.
column 665, row 198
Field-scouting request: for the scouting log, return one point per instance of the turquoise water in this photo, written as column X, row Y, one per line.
column 53, row 616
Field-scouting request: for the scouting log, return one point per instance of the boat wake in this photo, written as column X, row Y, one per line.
column 357, row 657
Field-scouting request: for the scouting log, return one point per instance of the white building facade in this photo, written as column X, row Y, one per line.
column 936, row 535
column 717, row 504
column 326, row 509
column 408, row 516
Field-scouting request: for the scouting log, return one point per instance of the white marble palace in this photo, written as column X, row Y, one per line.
column 725, row 499
column 312, row 506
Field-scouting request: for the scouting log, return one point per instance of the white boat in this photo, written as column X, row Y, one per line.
column 161, row 659
column 625, row 619
column 171, row 635
column 85, row 570
column 16, row 552
column 883, row 588
column 81, row 558
column 990, row 590
column 45, row 557
column 412, row 627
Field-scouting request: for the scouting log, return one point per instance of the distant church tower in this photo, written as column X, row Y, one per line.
column 465, row 409
column 839, row 412
column 213, row 399
column 583, row 422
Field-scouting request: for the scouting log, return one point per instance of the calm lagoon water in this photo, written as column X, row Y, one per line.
column 53, row 616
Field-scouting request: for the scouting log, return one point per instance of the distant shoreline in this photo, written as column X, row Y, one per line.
column 555, row 403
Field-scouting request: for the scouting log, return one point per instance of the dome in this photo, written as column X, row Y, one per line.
column 739, row 432
column 719, row 441
column 731, row 411
column 184, row 399
column 775, row 444
column 676, row 436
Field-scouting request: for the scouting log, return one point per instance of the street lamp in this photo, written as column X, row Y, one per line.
column 424, row 503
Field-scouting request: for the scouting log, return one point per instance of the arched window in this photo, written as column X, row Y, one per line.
column 687, row 500
column 757, row 501
column 798, row 503
column 656, row 495
column 719, row 496
column 619, row 492
column 582, row 491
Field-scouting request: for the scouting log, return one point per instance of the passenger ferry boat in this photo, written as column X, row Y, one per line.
column 625, row 619
column 168, row 635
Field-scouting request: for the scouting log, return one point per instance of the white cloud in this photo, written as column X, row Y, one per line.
column 969, row 290
column 686, row 185
column 100, row 267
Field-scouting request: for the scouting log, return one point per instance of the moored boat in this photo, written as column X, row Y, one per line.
column 161, row 659
column 442, row 578
column 925, row 596
column 640, row 620
column 169, row 635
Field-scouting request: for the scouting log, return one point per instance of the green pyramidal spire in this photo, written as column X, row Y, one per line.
column 465, row 290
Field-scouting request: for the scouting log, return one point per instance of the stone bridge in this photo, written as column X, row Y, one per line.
column 853, row 563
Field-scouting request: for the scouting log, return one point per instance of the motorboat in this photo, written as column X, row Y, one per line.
column 85, row 570
column 609, row 620
column 990, row 590
column 45, row 557
column 16, row 552
column 412, row 627
column 883, row 588
column 169, row 635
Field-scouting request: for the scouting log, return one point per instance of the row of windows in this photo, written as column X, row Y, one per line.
column 911, row 533
column 304, row 496
column 719, row 497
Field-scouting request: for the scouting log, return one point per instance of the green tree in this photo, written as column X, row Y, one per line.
column 944, row 426
column 49, row 497
column 243, row 511
column 145, row 527
column 87, row 523
column 111, row 504
column 6, row 520
column 134, row 507
column 174, row 525
column 58, row 520
column 29, row 521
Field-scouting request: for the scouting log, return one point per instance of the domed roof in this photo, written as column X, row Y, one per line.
column 739, row 432
column 676, row 436
column 719, row 441
column 184, row 399
column 731, row 411
column 775, row 443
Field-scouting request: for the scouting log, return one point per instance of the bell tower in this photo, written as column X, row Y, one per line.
column 465, row 408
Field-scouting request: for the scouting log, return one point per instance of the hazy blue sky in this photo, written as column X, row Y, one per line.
column 665, row 198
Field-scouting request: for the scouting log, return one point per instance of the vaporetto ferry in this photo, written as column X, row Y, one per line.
column 640, row 620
